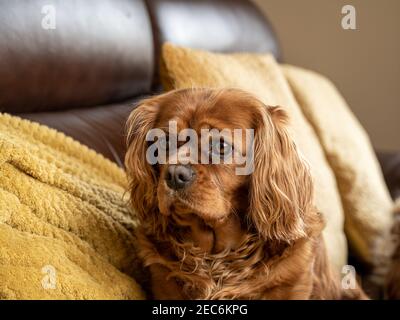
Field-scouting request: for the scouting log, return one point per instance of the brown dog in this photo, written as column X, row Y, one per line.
column 207, row 232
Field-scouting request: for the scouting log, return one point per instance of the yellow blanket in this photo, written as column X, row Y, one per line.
column 65, row 227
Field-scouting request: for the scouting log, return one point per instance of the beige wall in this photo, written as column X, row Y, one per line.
column 363, row 63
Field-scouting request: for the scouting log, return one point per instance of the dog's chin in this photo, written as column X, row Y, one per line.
column 174, row 205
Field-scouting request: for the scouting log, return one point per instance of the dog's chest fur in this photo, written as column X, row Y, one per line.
column 255, row 271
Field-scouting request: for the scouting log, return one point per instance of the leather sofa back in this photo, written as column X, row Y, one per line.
column 99, row 52
column 106, row 51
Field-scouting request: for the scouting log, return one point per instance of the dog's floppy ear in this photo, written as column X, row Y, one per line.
column 142, row 178
column 281, row 185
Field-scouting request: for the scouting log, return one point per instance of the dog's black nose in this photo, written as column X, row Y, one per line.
column 179, row 176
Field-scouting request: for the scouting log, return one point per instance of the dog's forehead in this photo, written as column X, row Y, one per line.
column 220, row 110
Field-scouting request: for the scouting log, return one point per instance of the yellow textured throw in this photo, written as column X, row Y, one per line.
column 65, row 229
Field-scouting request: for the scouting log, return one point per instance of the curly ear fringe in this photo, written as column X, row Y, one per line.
column 281, row 185
column 142, row 178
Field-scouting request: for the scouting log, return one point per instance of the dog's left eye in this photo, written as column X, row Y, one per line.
column 221, row 148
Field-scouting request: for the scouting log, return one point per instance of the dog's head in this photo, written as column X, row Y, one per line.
column 269, row 199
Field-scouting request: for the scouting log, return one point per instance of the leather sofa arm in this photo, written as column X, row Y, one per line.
column 390, row 164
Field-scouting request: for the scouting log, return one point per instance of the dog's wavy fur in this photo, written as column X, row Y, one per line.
column 229, row 236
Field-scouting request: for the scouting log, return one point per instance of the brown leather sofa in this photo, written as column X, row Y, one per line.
column 83, row 77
